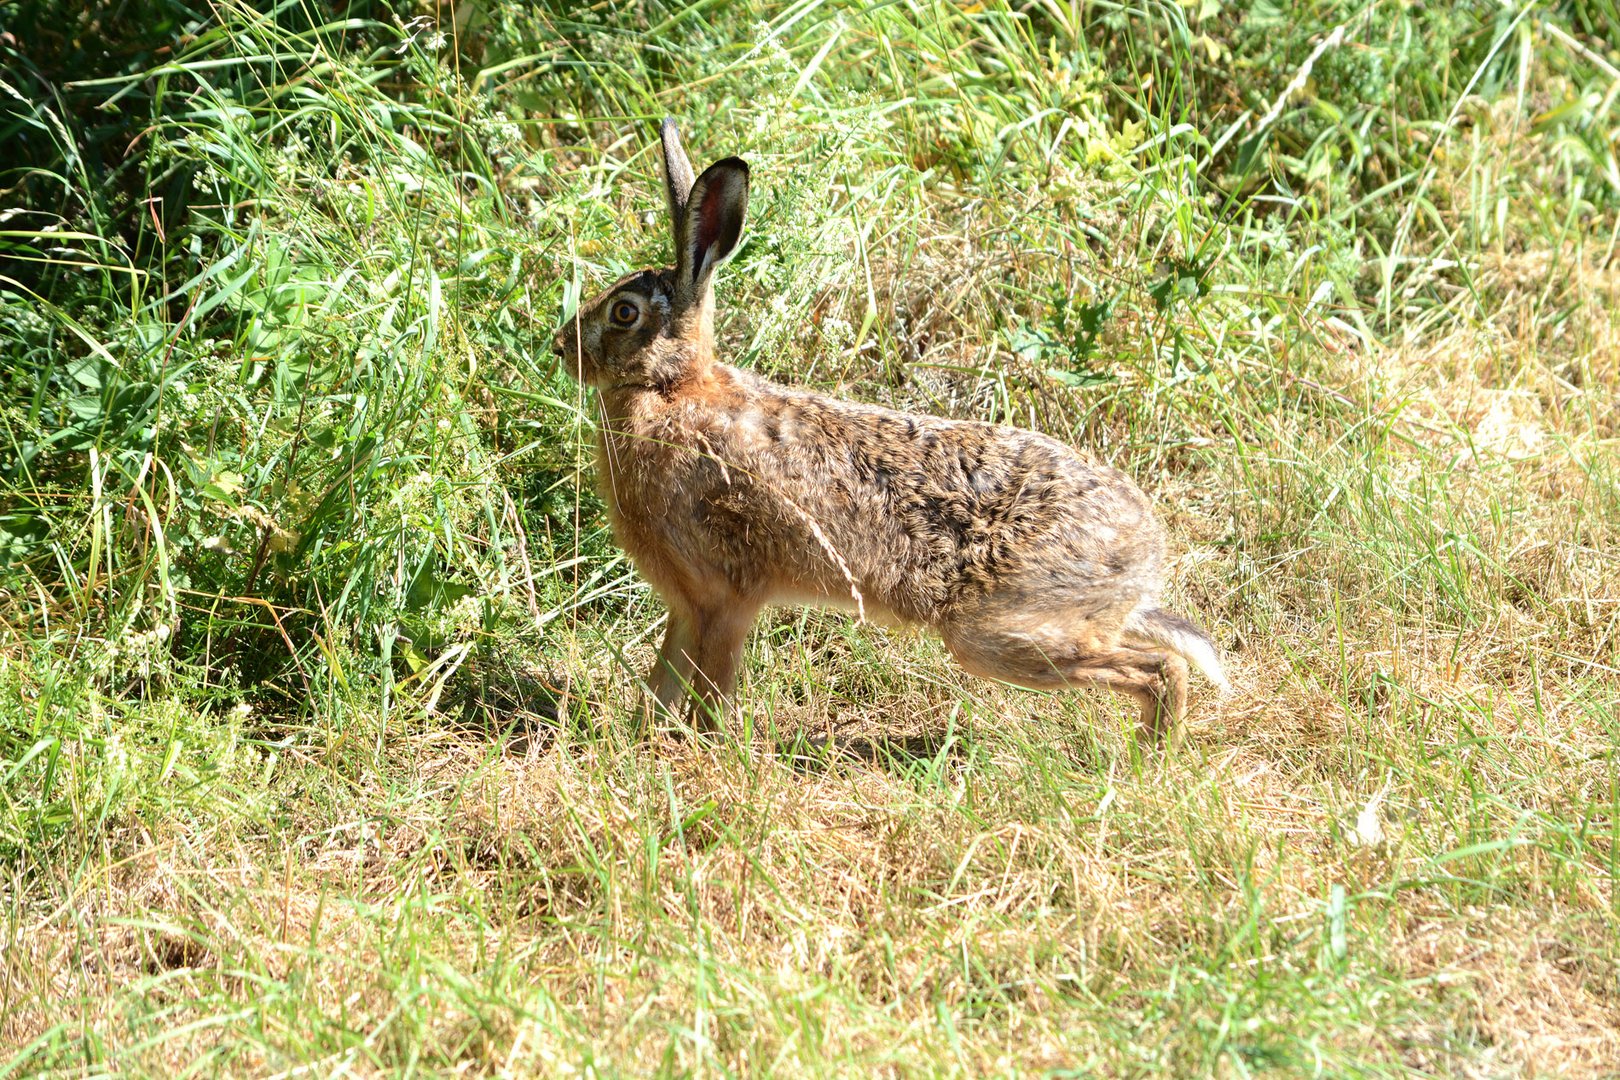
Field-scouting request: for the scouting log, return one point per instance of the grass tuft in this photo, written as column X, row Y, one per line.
column 317, row 660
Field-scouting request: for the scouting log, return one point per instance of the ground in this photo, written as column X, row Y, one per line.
column 321, row 752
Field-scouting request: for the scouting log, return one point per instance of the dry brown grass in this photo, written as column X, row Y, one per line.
column 1417, row 587
column 1392, row 851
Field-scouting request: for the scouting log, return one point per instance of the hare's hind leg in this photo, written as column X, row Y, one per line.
column 1055, row 656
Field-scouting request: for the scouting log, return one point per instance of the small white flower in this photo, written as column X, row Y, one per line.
column 1369, row 830
column 117, row 756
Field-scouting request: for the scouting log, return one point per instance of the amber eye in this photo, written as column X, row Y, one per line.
column 624, row 312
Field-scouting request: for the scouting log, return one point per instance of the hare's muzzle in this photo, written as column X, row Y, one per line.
column 565, row 344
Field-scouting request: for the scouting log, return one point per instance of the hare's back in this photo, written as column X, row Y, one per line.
column 965, row 506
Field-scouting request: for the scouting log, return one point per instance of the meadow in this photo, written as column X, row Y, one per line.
column 319, row 752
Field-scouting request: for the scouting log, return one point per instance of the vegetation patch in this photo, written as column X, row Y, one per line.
column 318, row 666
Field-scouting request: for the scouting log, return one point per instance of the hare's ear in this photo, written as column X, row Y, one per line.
column 677, row 173
column 713, row 225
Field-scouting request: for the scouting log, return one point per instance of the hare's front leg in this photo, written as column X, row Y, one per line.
column 700, row 657
column 671, row 675
column 722, row 631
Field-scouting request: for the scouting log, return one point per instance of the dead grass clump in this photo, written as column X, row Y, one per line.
column 1543, row 1001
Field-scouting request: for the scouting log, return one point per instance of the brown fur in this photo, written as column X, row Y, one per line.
column 1036, row 566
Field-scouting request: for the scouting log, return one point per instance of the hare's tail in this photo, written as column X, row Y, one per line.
column 1179, row 635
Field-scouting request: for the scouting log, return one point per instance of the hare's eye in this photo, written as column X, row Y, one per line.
column 624, row 312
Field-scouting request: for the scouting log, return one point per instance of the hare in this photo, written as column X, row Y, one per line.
column 1036, row 566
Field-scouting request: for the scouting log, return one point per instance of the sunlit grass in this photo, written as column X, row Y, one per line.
column 317, row 662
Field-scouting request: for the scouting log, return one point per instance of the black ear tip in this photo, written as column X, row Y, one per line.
column 668, row 127
column 730, row 164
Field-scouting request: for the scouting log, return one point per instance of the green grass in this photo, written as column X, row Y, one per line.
column 318, row 666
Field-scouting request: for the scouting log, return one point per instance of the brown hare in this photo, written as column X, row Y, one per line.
column 729, row 492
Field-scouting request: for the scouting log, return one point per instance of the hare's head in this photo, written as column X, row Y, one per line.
column 653, row 327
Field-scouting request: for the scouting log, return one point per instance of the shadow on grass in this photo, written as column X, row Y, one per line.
column 817, row 753
column 521, row 710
